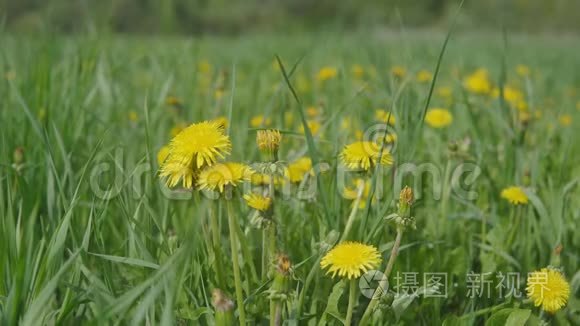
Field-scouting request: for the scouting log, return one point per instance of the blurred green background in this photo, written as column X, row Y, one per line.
column 234, row 17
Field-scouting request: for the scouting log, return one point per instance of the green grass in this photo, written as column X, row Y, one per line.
column 89, row 234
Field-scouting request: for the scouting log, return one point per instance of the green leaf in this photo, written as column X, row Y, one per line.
column 518, row 317
column 128, row 261
column 401, row 303
column 332, row 305
column 453, row 321
column 509, row 317
column 499, row 318
column 193, row 314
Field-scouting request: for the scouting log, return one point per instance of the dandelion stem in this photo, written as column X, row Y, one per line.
column 264, row 253
column 237, row 277
column 246, row 252
column 351, row 300
column 217, row 248
column 274, row 313
column 515, row 228
column 384, row 283
column 272, row 243
column 353, row 211
column 307, row 285
column 272, row 226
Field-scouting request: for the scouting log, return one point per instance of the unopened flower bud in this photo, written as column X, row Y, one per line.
column 269, row 142
column 281, row 283
column 18, row 156
column 224, row 308
column 406, row 196
column 283, row 264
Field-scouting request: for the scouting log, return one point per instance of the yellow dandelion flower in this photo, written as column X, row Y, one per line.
column 220, row 175
column 326, row 73
column 549, row 289
column 515, row 195
column 174, row 170
column 352, row 193
column 260, row 121
column 478, row 82
column 298, row 169
column 438, row 118
column 424, row 76
column 364, row 155
column 262, row 179
column 565, row 120
column 398, row 71
column 524, row 117
column 200, row 144
column 133, row 117
column 521, row 106
column 391, row 138
column 444, row 91
column 523, row 70
column 357, row 71
column 218, row 94
column 162, row 155
column 313, row 125
column 177, row 129
column 221, row 121
column 173, row 101
column 204, row 67
column 258, row 202
column 313, row 111
column 192, row 148
column 351, row 259
column 259, row 179
column 382, row 116
column 513, row 96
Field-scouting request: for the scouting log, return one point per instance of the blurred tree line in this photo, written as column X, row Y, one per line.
column 231, row 16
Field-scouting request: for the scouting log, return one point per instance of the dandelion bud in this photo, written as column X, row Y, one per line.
column 281, row 283
column 223, row 308
column 269, row 142
column 405, row 202
column 558, row 250
column 18, row 159
column 18, row 156
column 453, row 147
column 283, row 264
column 173, row 101
column 406, row 195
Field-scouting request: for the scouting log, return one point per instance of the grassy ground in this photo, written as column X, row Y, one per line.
column 90, row 234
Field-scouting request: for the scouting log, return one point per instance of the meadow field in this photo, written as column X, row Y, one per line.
column 372, row 178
